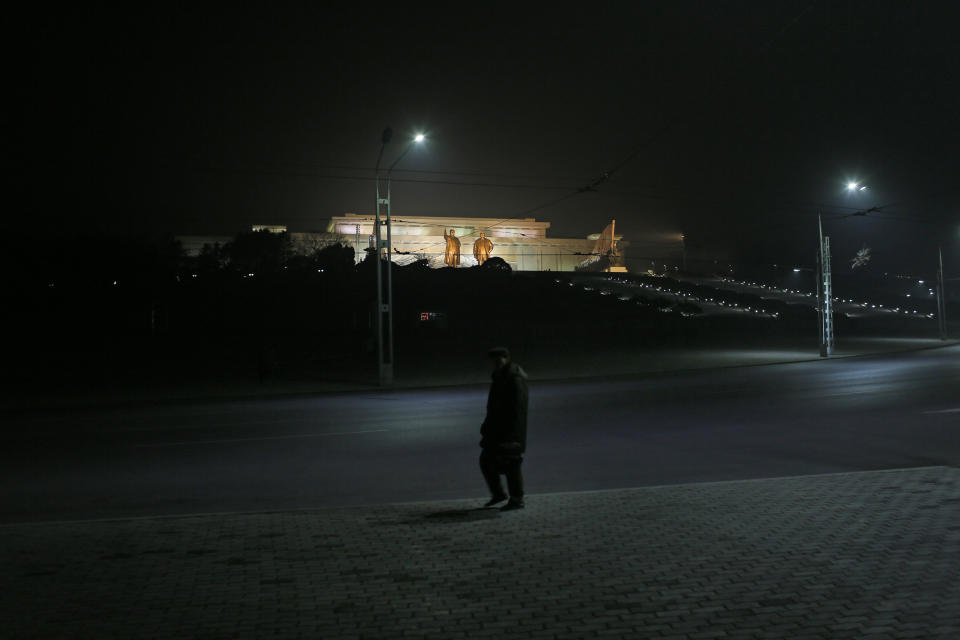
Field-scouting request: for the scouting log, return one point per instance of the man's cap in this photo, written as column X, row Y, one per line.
column 499, row 352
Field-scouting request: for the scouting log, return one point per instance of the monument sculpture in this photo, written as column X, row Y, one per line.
column 607, row 249
column 482, row 248
column 452, row 255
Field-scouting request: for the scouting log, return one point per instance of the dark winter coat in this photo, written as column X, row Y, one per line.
column 504, row 430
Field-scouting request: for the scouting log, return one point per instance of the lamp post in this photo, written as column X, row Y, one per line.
column 825, row 282
column 824, row 292
column 384, row 310
column 941, row 298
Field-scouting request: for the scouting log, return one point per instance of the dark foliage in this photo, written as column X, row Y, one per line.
column 495, row 264
column 258, row 252
column 122, row 309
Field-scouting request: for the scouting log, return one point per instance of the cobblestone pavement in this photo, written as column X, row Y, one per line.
column 857, row 555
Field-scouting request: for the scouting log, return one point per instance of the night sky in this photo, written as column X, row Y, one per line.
column 728, row 121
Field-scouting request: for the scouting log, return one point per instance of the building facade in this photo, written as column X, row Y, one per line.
column 523, row 243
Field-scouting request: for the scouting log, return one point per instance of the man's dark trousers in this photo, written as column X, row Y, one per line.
column 493, row 464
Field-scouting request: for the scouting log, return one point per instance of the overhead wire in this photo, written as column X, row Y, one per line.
column 593, row 186
column 627, row 253
column 312, row 175
column 645, row 194
column 669, row 124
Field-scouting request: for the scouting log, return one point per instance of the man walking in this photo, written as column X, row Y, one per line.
column 504, row 430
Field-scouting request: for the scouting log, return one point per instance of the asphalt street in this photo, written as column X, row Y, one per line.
column 852, row 414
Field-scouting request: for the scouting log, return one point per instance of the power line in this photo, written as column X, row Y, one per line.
column 590, row 187
column 669, row 124
column 306, row 174
column 480, row 174
column 514, row 217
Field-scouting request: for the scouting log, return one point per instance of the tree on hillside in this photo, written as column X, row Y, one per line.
column 329, row 258
column 212, row 258
column 309, row 244
column 258, row 252
column 335, row 258
column 495, row 264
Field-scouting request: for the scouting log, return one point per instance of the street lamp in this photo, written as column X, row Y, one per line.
column 825, row 281
column 824, row 292
column 384, row 310
column 941, row 298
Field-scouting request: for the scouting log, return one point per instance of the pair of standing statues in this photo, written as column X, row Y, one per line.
column 482, row 249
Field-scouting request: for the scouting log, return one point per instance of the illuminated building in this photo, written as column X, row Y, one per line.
column 521, row 242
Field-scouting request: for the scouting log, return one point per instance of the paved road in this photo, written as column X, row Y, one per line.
column 853, row 414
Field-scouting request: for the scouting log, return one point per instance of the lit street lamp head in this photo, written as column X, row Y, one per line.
column 387, row 133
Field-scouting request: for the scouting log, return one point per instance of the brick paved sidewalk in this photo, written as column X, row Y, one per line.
column 859, row 555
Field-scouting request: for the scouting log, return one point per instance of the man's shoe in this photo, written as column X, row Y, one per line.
column 514, row 503
column 494, row 500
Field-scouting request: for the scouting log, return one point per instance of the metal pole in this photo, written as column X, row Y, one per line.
column 386, row 375
column 356, row 244
column 819, row 285
column 827, row 297
column 385, row 311
column 379, row 309
column 381, row 378
column 824, row 293
column 941, row 298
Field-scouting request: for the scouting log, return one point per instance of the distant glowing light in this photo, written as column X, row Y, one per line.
column 796, row 270
column 419, row 137
column 852, row 186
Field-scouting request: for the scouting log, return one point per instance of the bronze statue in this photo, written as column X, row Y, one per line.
column 482, row 248
column 452, row 255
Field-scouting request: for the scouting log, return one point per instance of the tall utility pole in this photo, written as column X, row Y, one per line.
column 941, row 298
column 825, row 293
column 356, row 243
column 817, row 280
column 384, row 311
